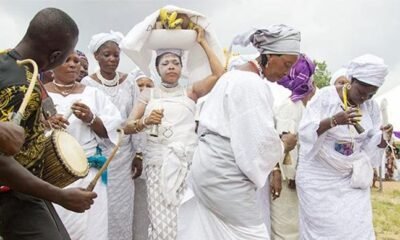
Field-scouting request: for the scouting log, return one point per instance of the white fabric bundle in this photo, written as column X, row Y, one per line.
column 369, row 69
column 100, row 38
column 134, row 45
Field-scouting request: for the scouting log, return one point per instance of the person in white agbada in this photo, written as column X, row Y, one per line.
column 168, row 111
column 94, row 117
column 284, row 203
column 334, row 172
column 239, row 145
column 123, row 92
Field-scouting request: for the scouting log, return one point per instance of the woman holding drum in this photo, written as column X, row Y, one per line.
column 88, row 115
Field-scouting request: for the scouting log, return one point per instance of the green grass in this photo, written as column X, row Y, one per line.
column 386, row 210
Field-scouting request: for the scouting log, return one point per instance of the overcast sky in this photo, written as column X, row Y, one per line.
column 332, row 30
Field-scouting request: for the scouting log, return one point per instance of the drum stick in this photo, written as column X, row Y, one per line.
column 92, row 184
column 17, row 117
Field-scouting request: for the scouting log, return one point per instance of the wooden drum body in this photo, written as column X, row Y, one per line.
column 64, row 160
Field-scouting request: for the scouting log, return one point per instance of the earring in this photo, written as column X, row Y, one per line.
column 348, row 86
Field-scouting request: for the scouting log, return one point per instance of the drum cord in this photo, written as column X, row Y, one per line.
column 92, row 184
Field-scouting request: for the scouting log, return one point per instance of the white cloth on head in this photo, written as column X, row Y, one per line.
column 138, row 74
column 195, row 62
column 341, row 72
column 369, row 69
column 275, row 39
column 100, row 38
column 161, row 51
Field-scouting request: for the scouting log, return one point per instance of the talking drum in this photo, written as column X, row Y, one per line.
column 64, row 160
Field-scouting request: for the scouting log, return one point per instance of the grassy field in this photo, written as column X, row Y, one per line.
column 386, row 209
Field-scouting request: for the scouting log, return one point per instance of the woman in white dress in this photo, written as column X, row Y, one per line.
column 123, row 91
column 170, row 107
column 336, row 157
column 284, row 202
column 92, row 119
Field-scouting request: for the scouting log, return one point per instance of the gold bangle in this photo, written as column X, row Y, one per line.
column 276, row 169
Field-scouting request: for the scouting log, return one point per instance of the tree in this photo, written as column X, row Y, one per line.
column 321, row 76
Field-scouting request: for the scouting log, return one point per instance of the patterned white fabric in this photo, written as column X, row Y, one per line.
column 284, row 210
column 101, row 38
column 91, row 224
column 329, row 207
column 120, row 184
column 167, row 158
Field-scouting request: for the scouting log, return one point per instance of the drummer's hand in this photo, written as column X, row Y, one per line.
column 76, row 199
column 137, row 165
column 276, row 184
column 82, row 111
column 155, row 117
column 12, row 137
column 200, row 34
column 58, row 121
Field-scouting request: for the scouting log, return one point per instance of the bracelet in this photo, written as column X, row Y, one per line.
column 139, row 157
column 93, row 119
column 276, row 169
column 144, row 122
column 333, row 122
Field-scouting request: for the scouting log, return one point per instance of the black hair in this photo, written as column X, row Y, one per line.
column 158, row 58
column 51, row 27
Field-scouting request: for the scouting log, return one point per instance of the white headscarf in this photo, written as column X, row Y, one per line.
column 341, row 72
column 369, row 69
column 275, row 39
column 138, row 74
column 100, row 38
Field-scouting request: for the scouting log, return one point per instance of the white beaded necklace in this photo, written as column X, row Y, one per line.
column 106, row 82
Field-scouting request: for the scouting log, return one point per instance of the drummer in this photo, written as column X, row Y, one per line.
column 24, row 210
column 92, row 117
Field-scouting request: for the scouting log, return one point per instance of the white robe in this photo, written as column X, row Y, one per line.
column 120, row 184
column 91, row 224
column 329, row 207
column 233, row 159
column 284, row 210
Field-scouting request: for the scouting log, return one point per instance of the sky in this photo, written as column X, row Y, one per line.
column 334, row 31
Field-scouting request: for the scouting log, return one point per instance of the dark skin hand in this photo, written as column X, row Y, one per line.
column 276, row 184
column 12, row 137
column 18, row 178
column 137, row 165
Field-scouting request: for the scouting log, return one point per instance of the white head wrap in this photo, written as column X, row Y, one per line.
column 341, row 72
column 100, row 38
column 178, row 52
column 138, row 74
column 369, row 69
column 275, row 39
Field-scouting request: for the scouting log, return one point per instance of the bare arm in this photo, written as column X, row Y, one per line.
column 15, row 176
column 201, row 88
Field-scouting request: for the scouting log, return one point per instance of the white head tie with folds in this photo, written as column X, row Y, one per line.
column 369, row 69
column 100, row 38
column 275, row 39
